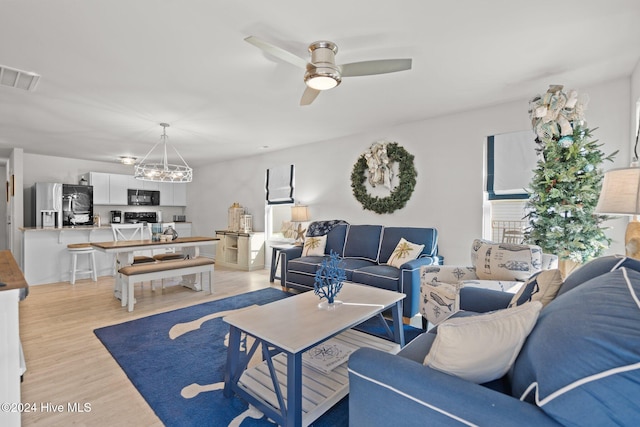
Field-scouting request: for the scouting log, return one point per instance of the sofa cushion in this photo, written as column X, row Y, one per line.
column 305, row 264
column 380, row 276
column 403, row 252
column 335, row 239
column 505, row 261
column 353, row 265
column 597, row 267
column 314, row 246
column 542, row 286
column 418, row 235
column 363, row 241
column 581, row 361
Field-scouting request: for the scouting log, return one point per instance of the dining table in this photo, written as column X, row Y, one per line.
column 124, row 252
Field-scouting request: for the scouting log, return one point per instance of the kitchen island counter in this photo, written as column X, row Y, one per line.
column 45, row 257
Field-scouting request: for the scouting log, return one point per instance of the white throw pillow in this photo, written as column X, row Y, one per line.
column 314, row 246
column 482, row 348
column 404, row 251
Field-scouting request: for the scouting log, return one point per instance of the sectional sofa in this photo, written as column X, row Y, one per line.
column 366, row 251
column 579, row 365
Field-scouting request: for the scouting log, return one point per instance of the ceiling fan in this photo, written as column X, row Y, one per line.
column 322, row 73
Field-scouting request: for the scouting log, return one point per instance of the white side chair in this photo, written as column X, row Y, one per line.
column 138, row 231
column 76, row 249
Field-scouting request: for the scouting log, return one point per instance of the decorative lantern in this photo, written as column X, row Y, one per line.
column 246, row 223
column 235, row 212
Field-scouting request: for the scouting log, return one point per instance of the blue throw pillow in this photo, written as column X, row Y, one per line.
column 597, row 267
column 581, row 363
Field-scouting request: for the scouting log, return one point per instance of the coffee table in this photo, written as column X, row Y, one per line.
column 282, row 387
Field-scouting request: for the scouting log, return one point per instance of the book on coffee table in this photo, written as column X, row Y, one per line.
column 327, row 356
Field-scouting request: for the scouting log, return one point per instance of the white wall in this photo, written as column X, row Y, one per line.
column 449, row 159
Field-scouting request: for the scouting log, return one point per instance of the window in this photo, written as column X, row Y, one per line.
column 279, row 185
column 511, row 159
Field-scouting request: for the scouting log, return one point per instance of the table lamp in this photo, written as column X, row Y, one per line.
column 300, row 214
column 620, row 195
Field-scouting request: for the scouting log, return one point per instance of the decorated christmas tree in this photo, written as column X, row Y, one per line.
column 567, row 180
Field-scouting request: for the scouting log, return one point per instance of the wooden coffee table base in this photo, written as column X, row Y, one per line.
column 320, row 391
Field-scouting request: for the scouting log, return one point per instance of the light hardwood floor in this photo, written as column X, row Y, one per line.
column 67, row 364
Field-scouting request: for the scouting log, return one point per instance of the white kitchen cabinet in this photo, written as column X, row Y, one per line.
column 166, row 193
column 150, row 185
column 111, row 189
column 172, row 194
column 183, row 229
column 100, row 183
column 179, row 194
column 118, row 185
column 244, row 251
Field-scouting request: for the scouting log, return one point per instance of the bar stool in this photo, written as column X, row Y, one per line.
column 76, row 249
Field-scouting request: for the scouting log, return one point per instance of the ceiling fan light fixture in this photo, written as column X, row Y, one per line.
column 322, row 72
column 321, row 81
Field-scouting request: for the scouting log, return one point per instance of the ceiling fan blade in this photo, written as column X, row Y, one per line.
column 278, row 52
column 381, row 66
column 309, row 96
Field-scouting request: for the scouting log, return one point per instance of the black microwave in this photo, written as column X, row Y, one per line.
column 143, row 197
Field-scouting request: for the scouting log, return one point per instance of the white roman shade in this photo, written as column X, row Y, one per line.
column 511, row 159
column 279, row 185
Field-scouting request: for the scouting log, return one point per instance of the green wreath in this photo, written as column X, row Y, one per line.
column 399, row 196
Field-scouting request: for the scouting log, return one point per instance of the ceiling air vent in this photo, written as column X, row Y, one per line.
column 19, row 79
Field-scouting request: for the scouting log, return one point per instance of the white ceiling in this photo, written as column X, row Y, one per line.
column 113, row 70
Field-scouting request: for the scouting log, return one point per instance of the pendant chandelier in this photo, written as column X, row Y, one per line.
column 163, row 172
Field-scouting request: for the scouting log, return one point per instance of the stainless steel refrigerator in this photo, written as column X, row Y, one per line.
column 48, row 204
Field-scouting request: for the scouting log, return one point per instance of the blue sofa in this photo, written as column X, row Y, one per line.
column 579, row 366
column 364, row 250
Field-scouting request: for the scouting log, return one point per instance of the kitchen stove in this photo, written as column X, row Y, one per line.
column 136, row 217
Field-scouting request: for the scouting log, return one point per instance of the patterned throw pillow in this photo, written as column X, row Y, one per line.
column 505, row 261
column 404, row 251
column 314, row 246
column 482, row 348
column 288, row 230
column 543, row 287
column 440, row 300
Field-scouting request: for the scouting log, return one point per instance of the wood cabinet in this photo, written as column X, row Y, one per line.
column 244, row 251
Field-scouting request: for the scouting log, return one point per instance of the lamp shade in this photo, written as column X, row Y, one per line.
column 299, row 213
column 620, row 194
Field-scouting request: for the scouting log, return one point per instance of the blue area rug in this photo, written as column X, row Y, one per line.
column 182, row 378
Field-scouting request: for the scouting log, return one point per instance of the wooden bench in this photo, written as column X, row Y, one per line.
column 160, row 270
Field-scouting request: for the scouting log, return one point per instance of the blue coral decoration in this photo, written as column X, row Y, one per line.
column 329, row 278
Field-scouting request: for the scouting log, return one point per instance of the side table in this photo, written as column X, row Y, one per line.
column 275, row 259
